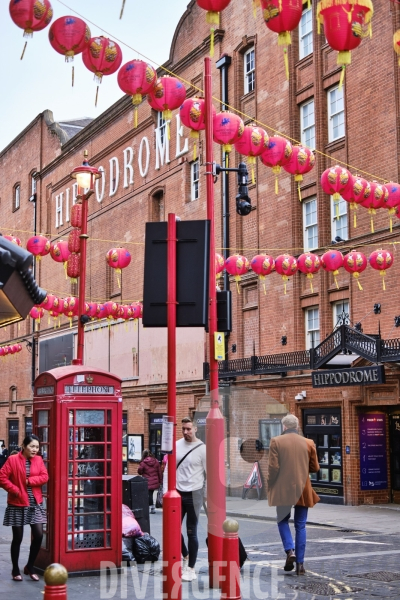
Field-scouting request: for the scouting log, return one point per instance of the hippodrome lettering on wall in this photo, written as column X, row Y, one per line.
column 123, row 168
column 358, row 376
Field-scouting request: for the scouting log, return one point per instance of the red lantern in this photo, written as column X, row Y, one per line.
column 31, row 15
column 2, row 353
column 309, row 264
column 219, row 264
column 136, row 309
column 192, row 115
column 167, row 95
column 38, row 246
column 74, row 240
column 36, row 313
column 50, row 302
column 345, row 24
column 137, row 79
column 375, row 196
column 356, row 263
column 102, row 56
column 263, row 265
column 70, row 308
column 393, row 200
column 277, row 154
column 282, row 16
column 213, row 8
column 354, row 193
column 92, row 309
column 59, row 251
column 252, row 143
column 301, row 162
column 227, row 129
column 380, row 260
column 334, row 181
column 73, row 267
column 13, row 239
column 286, row 266
column 69, row 36
column 111, row 310
column 332, row 261
column 237, row 265
column 76, row 215
column 118, row 258
column 124, row 312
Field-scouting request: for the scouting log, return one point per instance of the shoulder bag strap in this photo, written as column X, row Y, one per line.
column 187, row 454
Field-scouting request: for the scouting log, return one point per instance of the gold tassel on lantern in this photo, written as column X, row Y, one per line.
column 212, row 18
column 335, row 274
column 310, row 277
column 237, row 279
column 194, row 134
column 356, row 276
column 383, row 273
column 285, row 280
column 276, row 169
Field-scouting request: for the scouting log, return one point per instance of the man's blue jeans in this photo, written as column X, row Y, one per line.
column 300, row 520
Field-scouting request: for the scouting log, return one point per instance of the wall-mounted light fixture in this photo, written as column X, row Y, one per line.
column 284, row 340
column 377, row 309
column 301, row 395
column 233, row 348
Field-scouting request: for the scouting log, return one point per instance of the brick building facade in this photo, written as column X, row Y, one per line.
column 146, row 176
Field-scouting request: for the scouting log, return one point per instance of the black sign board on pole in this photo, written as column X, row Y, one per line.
column 345, row 377
column 192, row 274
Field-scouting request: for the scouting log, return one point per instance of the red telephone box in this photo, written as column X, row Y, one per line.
column 77, row 415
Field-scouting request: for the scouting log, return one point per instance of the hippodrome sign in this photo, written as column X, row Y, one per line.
column 357, row 376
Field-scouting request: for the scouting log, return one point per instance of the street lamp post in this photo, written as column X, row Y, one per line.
column 85, row 176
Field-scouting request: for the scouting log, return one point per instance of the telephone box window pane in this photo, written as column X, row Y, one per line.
column 91, row 522
column 71, row 434
column 70, row 505
column 43, row 434
column 109, row 452
column 108, row 521
column 70, row 542
column 43, row 417
column 86, row 451
column 70, row 469
column 108, row 469
column 108, row 486
column 90, row 417
column 71, row 417
column 108, row 434
column 89, row 505
column 108, row 537
column 69, row 523
column 90, row 469
column 44, row 504
column 44, row 449
column 109, row 417
column 44, row 488
column 44, row 541
column 89, row 540
column 108, row 503
column 91, row 434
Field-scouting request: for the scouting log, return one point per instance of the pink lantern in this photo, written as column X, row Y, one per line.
column 301, row 161
column 136, row 308
column 355, row 262
column 252, row 143
column 237, row 265
column 380, row 260
column 309, row 264
column 193, row 115
column 92, row 309
column 59, row 252
column 277, row 154
column 263, row 265
column 354, row 194
column 393, row 200
column 118, row 259
column 332, row 261
column 70, row 308
column 167, row 95
column 50, row 302
column 111, row 310
column 38, row 245
column 334, row 181
column 125, row 312
column 227, row 129
column 286, row 266
column 13, row 239
column 102, row 56
column 36, row 313
column 219, row 264
column 375, row 196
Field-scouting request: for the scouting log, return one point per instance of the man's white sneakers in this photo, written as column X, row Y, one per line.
column 189, row 574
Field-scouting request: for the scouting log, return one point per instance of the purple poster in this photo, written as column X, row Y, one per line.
column 373, row 466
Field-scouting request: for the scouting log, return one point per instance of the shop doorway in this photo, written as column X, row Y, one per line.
column 155, row 432
column 394, row 442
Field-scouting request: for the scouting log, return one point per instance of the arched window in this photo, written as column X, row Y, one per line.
column 12, row 399
column 157, row 205
column 16, row 197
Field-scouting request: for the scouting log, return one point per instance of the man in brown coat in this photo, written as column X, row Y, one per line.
column 291, row 459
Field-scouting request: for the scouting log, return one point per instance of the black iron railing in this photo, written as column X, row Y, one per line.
column 343, row 338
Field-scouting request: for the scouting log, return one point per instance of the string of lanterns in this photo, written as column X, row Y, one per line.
column 308, row 263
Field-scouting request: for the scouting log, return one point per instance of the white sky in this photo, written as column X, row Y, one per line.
column 42, row 80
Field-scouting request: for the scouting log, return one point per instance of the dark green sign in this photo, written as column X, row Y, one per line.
column 356, row 376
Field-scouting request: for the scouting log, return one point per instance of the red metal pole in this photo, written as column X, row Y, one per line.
column 82, row 282
column 230, row 586
column 172, row 569
column 214, row 423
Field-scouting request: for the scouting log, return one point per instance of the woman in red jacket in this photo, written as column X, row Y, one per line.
column 151, row 470
column 22, row 476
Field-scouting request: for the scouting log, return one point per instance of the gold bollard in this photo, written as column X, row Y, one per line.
column 55, row 578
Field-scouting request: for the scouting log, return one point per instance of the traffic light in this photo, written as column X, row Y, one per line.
column 19, row 291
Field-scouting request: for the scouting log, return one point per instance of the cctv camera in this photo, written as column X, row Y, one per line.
column 243, row 205
column 299, row 397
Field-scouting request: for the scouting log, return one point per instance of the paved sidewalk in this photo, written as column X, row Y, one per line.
column 382, row 518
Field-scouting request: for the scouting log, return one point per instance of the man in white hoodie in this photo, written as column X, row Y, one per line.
column 190, row 483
